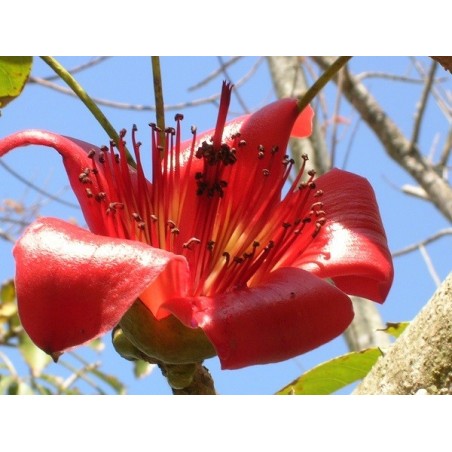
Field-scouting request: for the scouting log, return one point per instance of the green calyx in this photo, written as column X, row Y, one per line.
column 166, row 340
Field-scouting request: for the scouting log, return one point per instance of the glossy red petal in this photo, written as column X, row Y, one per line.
column 72, row 286
column 351, row 247
column 290, row 313
column 303, row 124
column 75, row 158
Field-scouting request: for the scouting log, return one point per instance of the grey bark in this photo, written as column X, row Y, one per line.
column 420, row 361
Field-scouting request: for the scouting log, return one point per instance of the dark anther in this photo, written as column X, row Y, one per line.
column 198, row 175
column 141, row 225
column 260, row 155
column 311, row 172
column 193, row 129
column 305, row 157
column 312, row 185
column 100, row 196
column 266, row 172
column 175, row 231
column 136, row 217
column 152, row 125
column 153, row 217
column 101, row 158
column 122, row 133
column 318, row 193
column 91, row 153
column 256, row 244
column 178, row 117
column 171, row 224
column 210, row 245
column 242, row 143
column 89, row 193
column 302, row 186
column 260, row 148
column 275, row 149
column 117, row 158
column 170, row 130
column 160, row 148
column 286, row 225
column 238, row 260
column 134, row 128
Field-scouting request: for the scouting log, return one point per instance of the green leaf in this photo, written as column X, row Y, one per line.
column 36, row 359
column 7, row 291
column 395, row 329
column 14, row 73
column 333, row 375
column 142, row 369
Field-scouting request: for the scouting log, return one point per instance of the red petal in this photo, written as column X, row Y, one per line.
column 75, row 158
column 290, row 313
column 351, row 247
column 73, row 286
column 303, row 124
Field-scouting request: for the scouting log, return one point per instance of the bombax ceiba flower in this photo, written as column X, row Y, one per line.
column 210, row 257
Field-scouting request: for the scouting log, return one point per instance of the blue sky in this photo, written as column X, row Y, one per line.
column 407, row 219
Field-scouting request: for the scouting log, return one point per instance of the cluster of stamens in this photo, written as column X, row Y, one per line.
column 229, row 239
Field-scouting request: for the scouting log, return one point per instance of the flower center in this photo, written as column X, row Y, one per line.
column 227, row 219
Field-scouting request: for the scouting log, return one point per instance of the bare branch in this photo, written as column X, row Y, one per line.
column 236, row 91
column 395, row 143
column 416, row 246
column 394, row 77
column 429, row 264
column 124, row 105
column 422, row 104
column 214, row 74
column 92, row 62
column 36, row 188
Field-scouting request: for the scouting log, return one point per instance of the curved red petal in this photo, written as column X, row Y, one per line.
column 75, row 158
column 290, row 313
column 72, row 286
column 351, row 247
column 303, row 124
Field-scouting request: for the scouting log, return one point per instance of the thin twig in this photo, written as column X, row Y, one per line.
column 416, row 246
column 235, row 91
column 125, row 105
column 214, row 74
column 430, row 266
column 86, row 99
column 394, row 77
column 36, row 188
column 422, row 104
column 92, row 62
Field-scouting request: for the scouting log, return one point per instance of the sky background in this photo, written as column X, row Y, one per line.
column 128, row 79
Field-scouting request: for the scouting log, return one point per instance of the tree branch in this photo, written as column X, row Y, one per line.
column 421, row 358
column 396, row 144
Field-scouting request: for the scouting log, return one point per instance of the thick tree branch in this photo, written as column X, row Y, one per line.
column 395, row 143
column 421, row 358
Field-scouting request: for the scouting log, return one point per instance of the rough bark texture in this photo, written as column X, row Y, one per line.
column 404, row 152
column 420, row 361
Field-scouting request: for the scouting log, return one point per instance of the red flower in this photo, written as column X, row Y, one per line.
column 211, row 242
